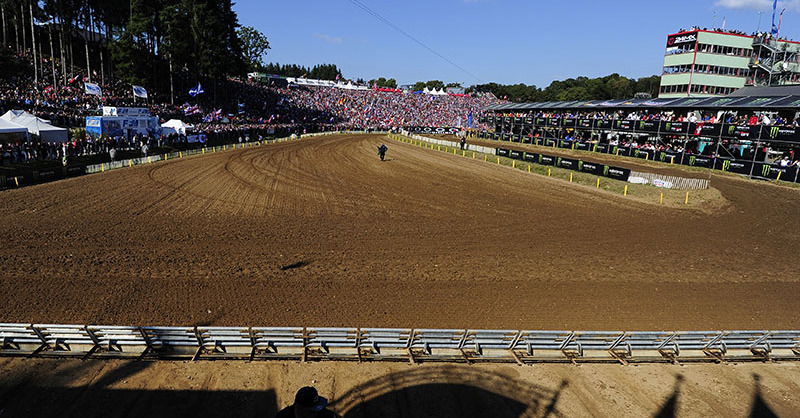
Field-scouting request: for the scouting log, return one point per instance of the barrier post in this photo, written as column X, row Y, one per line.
column 498, row 160
column 166, row 157
column 598, row 182
column 180, row 154
column 570, row 177
column 548, row 172
column 130, row 163
column 661, row 199
column 686, row 200
column 473, row 155
column 625, row 192
column 779, row 176
column 485, row 158
column 529, row 168
column 513, row 164
column 16, row 180
column 103, row 168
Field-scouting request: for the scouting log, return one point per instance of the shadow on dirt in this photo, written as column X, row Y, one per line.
column 297, row 265
column 448, row 392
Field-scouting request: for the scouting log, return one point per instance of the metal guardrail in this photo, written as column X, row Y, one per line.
column 399, row 344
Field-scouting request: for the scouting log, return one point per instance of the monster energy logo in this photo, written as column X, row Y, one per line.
column 726, row 165
column 668, row 126
column 692, row 159
column 662, row 156
column 765, row 170
column 580, row 165
column 605, row 170
column 540, row 158
column 558, row 161
column 731, row 129
column 641, row 125
column 773, row 131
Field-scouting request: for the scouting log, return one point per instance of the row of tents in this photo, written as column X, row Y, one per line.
column 19, row 124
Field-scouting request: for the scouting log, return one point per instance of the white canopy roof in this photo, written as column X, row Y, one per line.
column 36, row 125
column 8, row 127
column 175, row 125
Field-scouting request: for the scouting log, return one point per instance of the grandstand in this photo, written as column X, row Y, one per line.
column 755, row 135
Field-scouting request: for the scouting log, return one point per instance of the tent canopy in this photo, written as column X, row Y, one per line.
column 8, row 127
column 174, row 126
column 36, row 125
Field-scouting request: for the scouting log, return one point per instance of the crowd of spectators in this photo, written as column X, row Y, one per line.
column 769, row 118
column 260, row 110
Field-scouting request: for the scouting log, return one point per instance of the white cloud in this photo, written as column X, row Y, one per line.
column 758, row 4
column 328, row 38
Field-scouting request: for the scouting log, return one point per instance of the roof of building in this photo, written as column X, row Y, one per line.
column 776, row 91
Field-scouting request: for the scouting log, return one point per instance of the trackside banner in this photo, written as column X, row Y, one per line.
column 617, row 173
column 432, row 130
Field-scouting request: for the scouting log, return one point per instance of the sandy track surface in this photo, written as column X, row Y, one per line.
column 111, row 388
column 319, row 232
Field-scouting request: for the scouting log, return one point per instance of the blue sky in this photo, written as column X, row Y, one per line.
column 505, row 41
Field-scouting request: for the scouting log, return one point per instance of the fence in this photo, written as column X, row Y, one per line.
column 468, row 147
column 671, row 182
column 399, row 344
column 97, row 168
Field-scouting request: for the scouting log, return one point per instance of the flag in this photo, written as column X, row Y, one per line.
column 48, row 90
column 774, row 11
column 139, row 91
column 92, row 89
column 74, row 79
column 196, row 91
column 469, row 119
column 780, row 21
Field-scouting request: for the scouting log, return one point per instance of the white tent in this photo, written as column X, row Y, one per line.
column 8, row 127
column 36, row 125
column 174, row 126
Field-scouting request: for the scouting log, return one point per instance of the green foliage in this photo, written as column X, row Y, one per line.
column 383, row 82
column 11, row 66
column 612, row 86
column 254, row 47
column 318, row 72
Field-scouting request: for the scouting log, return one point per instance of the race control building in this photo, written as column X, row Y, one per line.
column 703, row 63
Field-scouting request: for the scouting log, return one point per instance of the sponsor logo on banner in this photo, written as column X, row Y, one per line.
column 434, row 130
column 726, row 165
column 765, row 169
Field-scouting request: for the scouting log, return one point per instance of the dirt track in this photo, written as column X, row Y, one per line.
column 321, row 233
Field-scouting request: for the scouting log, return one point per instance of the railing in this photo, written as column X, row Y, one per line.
column 403, row 344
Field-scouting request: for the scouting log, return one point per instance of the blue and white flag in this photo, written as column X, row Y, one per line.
column 139, row 91
column 92, row 88
column 774, row 11
column 469, row 119
column 197, row 90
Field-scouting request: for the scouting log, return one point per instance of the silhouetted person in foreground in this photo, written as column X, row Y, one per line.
column 382, row 151
column 307, row 404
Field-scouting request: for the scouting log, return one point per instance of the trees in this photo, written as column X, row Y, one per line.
column 612, row 86
column 383, row 82
column 254, row 47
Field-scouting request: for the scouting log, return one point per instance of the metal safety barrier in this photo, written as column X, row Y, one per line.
column 399, row 344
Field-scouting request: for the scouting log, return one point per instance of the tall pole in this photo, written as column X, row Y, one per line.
column 758, row 29
column 52, row 54
column 3, row 12
column 63, row 55
column 33, row 46
column 171, row 85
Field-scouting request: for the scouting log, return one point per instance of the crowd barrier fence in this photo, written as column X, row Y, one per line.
column 399, row 344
